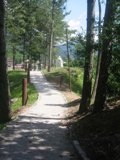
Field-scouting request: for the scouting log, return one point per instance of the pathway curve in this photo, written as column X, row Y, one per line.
column 38, row 133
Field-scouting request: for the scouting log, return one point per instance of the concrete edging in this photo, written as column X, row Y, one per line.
column 79, row 150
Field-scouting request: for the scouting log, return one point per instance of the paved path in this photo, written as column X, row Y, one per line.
column 38, row 133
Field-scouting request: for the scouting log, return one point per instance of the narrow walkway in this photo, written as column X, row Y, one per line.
column 38, row 133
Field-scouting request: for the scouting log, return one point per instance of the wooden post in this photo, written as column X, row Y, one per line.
column 14, row 58
column 24, row 92
column 61, row 81
column 28, row 73
column 68, row 56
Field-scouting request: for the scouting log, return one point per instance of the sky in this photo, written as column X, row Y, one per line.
column 77, row 18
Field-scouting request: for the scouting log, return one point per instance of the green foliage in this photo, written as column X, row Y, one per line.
column 15, row 78
column 76, row 77
column 113, row 85
column 28, row 25
column 79, row 52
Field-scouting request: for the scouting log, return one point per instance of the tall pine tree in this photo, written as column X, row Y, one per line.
column 87, row 82
column 4, row 91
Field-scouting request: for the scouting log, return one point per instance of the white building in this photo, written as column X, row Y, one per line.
column 59, row 62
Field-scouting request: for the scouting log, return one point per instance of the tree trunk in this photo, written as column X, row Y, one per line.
column 51, row 37
column 87, row 82
column 4, row 89
column 50, row 53
column 28, row 71
column 39, row 62
column 68, row 56
column 99, row 54
column 23, row 48
column 45, row 62
column 13, row 58
column 106, row 56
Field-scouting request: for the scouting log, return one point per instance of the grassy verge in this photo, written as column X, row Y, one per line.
column 76, row 77
column 15, row 79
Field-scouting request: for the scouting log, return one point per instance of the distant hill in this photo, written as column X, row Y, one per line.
column 62, row 51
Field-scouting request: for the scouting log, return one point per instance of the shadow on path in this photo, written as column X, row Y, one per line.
column 33, row 138
column 38, row 133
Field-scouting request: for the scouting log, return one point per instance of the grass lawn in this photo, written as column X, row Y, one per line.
column 76, row 77
column 15, row 80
